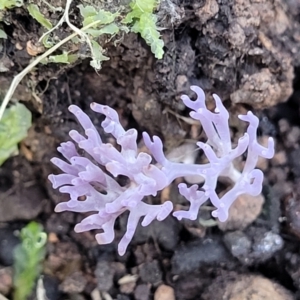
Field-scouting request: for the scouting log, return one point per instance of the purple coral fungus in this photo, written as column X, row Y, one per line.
column 95, row 177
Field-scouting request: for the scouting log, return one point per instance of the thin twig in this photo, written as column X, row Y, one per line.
column 60, row 22
column 17, row 79
column 65, row 18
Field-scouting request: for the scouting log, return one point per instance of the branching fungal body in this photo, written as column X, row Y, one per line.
column 95, row 178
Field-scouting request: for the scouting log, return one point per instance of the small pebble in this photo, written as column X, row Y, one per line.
column 105, row 275
column 164, row 292
column 6, row 280
column 73, row 284
column 127, row 283
column 200, row 253
column 8, row 242
column 238, row 244
column 267, row 245
column 233, row 286
column 292, row 213
column 150, row 272
column 244, row 211
column 142, row 292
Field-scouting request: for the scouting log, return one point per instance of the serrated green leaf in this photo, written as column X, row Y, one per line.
column 144, row 22
column 13, row 128
column 146, row 26
column 34, row 11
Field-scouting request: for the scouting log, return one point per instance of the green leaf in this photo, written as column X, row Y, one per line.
column 28, row 258
column 105, row 17
column 34, row 11
column 6, row 4
column 144, row 22
column 76, row 40
column 13, row 128
column 33, row 238
column 208, row 223
column 146, row 6
column 146, row 26
column 97, row 56
column 90, row 15
column 111, row 29
column 3, row 35
column 134, row 14
column 64, row 58
column 72, row 58
column 87, row 11
column 60, row 58
column 48, row 41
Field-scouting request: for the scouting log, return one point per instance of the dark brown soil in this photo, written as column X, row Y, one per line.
column 247, row 52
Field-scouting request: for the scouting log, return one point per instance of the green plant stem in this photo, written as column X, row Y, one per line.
column 17, row 79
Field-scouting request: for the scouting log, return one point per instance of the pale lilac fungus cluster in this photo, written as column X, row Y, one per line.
column 92, row 185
